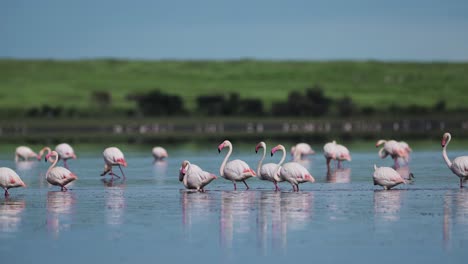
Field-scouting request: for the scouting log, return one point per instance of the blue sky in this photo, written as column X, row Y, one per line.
column 216, row 29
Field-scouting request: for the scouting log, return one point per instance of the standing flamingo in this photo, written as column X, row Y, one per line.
column 387, row 177
column 300, row 150
column 329, row 151
column 9, row 179
column 113, row 157
column 342, row 154
column 194, row 177
column 65, row 152
column 59, row 176
column 459, row 166
column 269, row 171
column 392, row 148
column 293, row 172
column 234, row 170
column 159, row 153
column 25, row 153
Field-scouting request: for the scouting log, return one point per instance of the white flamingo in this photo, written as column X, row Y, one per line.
column 387, row 177
column 194, row 177
column 58, row 176
column 65, row 152
column 300, row 150
column 342, row 154
column 392, row 148
column 459, row 166
column 113, row 157
column 293, row 172
column 329, row 151
column 268, row 172
column 159, row 153
column 234, row 170
column 25, row 153
column 9, row 179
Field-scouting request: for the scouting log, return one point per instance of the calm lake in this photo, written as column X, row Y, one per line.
column 150, row 217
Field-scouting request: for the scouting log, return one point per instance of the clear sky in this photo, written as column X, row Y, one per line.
column 422, row 30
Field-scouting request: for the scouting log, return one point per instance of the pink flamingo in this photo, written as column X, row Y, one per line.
column 293, row 172
column 113, row 157
column 65, row 152
column 234, row 170
column 269, row 171
column 9, row 179
column 342, row 154
column 329, row 151
column 300, row 150
column 387, row 177
column 159, row 153
column 194, row 177
column 25, row 153
column 58, row 176
column 459, row 166
column 392, row 148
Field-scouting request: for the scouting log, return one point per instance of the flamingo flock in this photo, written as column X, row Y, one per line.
column 195, row 178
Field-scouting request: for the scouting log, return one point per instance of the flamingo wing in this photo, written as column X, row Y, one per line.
column 460, row 166
column 387, row 176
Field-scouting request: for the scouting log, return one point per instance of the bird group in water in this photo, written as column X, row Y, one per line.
column 194, row 177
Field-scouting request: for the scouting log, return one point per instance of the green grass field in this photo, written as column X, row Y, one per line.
column 27, row 83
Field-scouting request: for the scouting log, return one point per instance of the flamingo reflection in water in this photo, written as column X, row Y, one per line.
column 60, row 211
column 10, row 215
column 342, row 175
column 115, row 201
column 454, row 218
column 387, row 206
column 195, row 207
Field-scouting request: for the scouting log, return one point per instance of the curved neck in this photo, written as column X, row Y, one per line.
column 43, row 150
column 382, row 153
column 281, row 161
column 444, row 154
column 221, row 169
column 53, row 163
column 260, row 162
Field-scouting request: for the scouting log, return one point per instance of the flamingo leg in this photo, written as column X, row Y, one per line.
column 328, row 163
column 461, row 182
column 297, row 187
column 276, row 186
column 235, row 187
column 396, row 162
column 65, row 163
column 247, row 187
column 123, row 174
column 6, row 193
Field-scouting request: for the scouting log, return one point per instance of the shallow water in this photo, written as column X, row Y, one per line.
column 341, row 217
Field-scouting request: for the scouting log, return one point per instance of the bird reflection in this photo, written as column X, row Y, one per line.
column 269, row 207
column 10, row 215
column 342, row 175
column 455, row 212
column 26, row 165
column 59, row 211
column 387, row 205
column 235, row 214
column 115, row 201
column 195, row 207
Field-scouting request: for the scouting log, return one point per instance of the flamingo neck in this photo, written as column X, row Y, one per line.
column 260, row 162
column 221, row 169
column 278, row 166
column 53, row 164
column 444, row 154
column 382, row 153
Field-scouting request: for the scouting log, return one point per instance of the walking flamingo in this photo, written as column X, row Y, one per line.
column 392, row 148
column 159, row 153
column 113, row 157
column 300, row 150
column 269, row 171
column 459, row 166
column 329, row 151
column 194, row 177
column 234, row 170
column 9, row 179
column 58, row 176
column 387, row 177
column 293, row 172
column 25, row 153
column 65, row 152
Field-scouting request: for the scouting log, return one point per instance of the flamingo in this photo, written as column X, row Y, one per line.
column 300, row 150
column 159, row 153
column 9, row 179
column 387, row 177
column 407, row 149
column 392, row 148
column 329, row 151
column 234, row 170
column 342, row 154
column 459, row 166
column 44, row 149
column 292, row 172
column 65, row 152
column 194, row 177
column 113, row 157
column 59, row 176
column 24, row 153
column 269, row 172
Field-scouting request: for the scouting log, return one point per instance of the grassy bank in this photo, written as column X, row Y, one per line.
column 28, row 83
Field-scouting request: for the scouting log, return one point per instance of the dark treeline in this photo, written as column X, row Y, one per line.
column 312, row 102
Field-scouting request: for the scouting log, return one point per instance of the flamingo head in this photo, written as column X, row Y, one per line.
column 278, row 147
column 223, row 145
column 53, row 153
column 260, row 145
column 183, row 169
column 445, row 139
column 380, row 142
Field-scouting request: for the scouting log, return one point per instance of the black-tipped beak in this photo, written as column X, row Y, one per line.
column 271, row 154
column 256, row 151
column 45, row 159
column 219, row 151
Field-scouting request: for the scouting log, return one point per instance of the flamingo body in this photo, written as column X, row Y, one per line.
column 329, row 151
column 193, row 177
column 394, row 149
column 25, row 153
column 459, row 166
column 300, row 150
column 235, row 170
column 269, row 171
column 113, row 157
column 295, row 173
column 58, row 176
column 65, row 151
column 342, row 154
column 159, row 153
column 9, row 179
column 387, row 177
